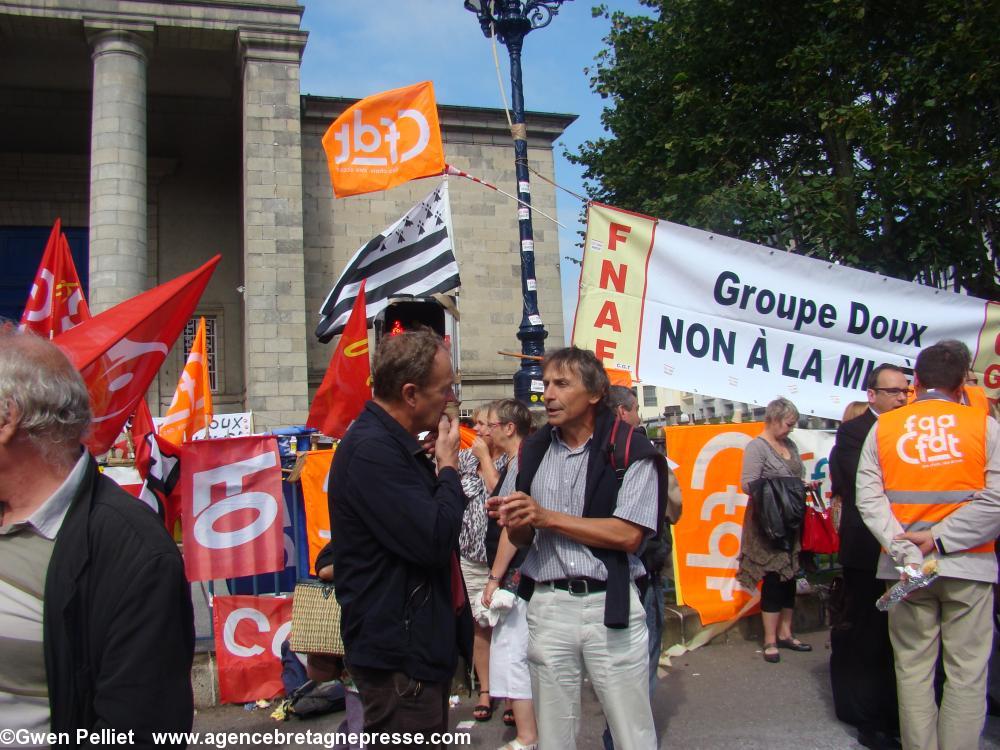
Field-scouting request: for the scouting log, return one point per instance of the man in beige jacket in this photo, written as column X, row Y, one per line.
column 929, row 487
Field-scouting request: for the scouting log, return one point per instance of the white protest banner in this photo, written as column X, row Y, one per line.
column 239, row 424
column 703, row 313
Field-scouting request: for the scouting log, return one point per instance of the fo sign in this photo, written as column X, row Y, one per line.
column 231, row 508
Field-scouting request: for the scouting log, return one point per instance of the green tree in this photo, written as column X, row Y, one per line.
column 866, row 133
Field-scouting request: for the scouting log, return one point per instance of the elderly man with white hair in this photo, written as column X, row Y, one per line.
column 96, row 624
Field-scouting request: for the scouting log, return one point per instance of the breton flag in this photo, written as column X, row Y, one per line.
column 413, row 256
column 158, row 463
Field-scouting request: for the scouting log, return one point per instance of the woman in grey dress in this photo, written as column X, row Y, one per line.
column 770, row 455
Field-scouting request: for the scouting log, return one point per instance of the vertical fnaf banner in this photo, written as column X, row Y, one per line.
column 699, row 312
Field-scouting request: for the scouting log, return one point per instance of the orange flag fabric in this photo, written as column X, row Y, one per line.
column 619, row 377
column 57, row 302
column 315, row 479
column 190, row 411
column 385, row 140
column 347, row 383
column 119, row 351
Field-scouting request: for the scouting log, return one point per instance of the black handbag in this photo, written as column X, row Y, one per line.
column 779, row 505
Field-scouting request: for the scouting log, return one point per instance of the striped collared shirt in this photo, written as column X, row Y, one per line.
column 25, row 551
column 559, row 485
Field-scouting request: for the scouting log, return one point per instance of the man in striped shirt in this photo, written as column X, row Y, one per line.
column 585, row 526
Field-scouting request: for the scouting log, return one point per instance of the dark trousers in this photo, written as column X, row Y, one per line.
column 862, row 672
column 397, row 704
column 775, row 594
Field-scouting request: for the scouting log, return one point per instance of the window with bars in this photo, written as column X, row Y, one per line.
column 211, row 328
column 649, row 395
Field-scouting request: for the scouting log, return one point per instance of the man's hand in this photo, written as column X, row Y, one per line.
column 924, row 540
column 518, row 510
column 446, row 447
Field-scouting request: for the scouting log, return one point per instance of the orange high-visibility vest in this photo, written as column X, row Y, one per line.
column 976, row 397
column 933, row 457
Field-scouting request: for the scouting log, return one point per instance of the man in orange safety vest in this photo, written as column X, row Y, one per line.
column 929, row 487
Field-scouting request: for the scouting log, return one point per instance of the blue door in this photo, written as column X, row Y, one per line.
column 21, row 250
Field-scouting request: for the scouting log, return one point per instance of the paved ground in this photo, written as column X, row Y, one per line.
column 721, row 696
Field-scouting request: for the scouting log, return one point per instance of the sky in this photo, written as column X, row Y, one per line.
column 361, row 47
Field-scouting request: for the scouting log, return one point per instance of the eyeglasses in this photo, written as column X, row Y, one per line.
column 895, row 391
column 491, row 425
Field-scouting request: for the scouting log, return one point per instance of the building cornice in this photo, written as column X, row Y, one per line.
column 454, row 118
column 223, row 15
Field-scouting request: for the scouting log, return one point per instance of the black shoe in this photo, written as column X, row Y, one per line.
column 793, row 644
column 878, row 740
column 771, row 658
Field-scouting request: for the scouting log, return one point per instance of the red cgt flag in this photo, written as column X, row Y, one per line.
column 347, row 383
column 249, row 631
column 119, row 351
column 56, row 303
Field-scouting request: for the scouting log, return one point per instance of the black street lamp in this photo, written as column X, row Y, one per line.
column 511, row 20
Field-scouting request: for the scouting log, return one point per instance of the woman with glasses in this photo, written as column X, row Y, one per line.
column 510, row 423
column 479, row 467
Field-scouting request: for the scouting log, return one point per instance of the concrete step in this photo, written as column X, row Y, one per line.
column 681, row 623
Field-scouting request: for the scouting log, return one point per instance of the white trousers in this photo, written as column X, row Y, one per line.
column 566, row 635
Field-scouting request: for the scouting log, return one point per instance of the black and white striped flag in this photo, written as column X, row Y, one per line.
column 413, row 256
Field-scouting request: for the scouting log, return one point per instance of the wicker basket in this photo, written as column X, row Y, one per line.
column 315, row 619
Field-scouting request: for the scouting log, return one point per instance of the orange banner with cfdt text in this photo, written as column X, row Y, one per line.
column 315, row 478
column 707, row 538
column 385, row 140
column 613, row 285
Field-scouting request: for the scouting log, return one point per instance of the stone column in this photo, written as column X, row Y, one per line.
column 118, row 162
column 273, row 261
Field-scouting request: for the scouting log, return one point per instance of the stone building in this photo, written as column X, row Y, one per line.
column 165, row 132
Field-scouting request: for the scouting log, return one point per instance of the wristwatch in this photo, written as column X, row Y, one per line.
column 939, row 547
column 491, row 577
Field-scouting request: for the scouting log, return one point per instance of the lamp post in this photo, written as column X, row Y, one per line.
column 511, row 20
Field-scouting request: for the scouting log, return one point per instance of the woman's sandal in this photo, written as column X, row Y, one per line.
column 508, row 717
column 481, row 712
column 771, row 658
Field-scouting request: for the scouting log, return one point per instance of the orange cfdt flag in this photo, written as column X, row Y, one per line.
column 385, row 140
column 619, row 377
column 190, row 411
column 119, row 351
column 56, row 303
column 347, row 383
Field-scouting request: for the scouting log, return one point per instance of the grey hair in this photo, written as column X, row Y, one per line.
column 38, row 381
column 619, row 395
column 780, row 410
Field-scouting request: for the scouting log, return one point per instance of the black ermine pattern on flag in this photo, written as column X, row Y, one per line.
column 413, row 256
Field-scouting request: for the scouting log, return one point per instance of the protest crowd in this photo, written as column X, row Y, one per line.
column 526, row 552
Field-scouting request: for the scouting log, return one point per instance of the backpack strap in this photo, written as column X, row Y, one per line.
column 619, row 446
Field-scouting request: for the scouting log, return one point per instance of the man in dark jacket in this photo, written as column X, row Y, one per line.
column 394, row 525
column 96, row 624
column 861, row 665
column 585, row 526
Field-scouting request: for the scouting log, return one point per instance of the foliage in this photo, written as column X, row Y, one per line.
column 860, row 132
